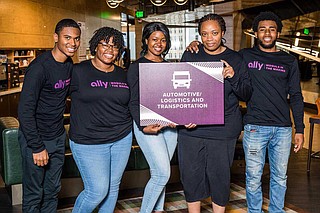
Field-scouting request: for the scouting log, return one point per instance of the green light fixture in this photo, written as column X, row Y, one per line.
column 139, row 14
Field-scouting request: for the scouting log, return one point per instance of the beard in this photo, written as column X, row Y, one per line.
column 266, row 46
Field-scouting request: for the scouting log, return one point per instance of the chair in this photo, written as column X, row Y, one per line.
column 315, row 119
column 10, row 158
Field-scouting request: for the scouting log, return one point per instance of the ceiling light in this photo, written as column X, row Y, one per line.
column 180, row 2
column 116, row 1
column 296, row 40
column 113, row 3
column 158, row 2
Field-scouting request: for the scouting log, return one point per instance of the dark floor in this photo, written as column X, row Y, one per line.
column 303, row 190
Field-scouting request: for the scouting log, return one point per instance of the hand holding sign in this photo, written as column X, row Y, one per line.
column 181, row 93
column 228, row 71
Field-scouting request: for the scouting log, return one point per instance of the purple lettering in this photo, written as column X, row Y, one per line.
column 105, row 84
column 61, row 84
column 68, row 82
column 255, row 65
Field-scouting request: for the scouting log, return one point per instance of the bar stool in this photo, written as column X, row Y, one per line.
column 315, row 119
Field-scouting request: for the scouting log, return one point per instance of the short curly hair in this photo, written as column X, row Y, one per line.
column 264, row 16
column 105, row 33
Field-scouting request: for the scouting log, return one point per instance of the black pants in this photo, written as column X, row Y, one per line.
column 41, row 185
column 204, row 166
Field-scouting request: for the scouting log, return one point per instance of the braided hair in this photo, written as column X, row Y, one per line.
column 214, row 17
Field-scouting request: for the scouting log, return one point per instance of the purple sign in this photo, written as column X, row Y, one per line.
column 181, row 93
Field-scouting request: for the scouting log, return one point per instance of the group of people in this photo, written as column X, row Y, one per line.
column 105, row 115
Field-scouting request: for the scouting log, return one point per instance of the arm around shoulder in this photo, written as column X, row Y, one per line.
column 241, row 82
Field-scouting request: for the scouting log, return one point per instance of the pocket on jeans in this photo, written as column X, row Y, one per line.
column 250, row 128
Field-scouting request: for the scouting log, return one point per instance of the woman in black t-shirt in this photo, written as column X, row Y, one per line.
column 100, row 128
column 156, row 141
column 206, row 152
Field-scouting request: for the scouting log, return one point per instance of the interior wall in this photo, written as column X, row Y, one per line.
column 229, row 31
column 139, row 28
column 31, row 23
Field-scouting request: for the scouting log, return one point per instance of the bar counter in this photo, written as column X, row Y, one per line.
column 11, row 91
column 9, row 100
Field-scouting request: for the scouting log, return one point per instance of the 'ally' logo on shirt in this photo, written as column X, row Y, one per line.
column 99, row 83
column 62, row 84
column 255, row 65
column 105, row 84
column 268, row 67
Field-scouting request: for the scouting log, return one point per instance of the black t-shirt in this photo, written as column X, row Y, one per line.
column 99, row 105
column 274, row 76
column 42, row 100
column 236, row 88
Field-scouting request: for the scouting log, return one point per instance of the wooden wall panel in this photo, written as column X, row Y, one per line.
column 30, row 23
column 139, row 28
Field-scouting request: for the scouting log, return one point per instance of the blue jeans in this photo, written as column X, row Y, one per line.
column 158, row 151
column 101, row 167
column 256, row 141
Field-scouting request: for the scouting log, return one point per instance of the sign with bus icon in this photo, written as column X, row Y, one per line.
column 181, row 93
column 181, row 79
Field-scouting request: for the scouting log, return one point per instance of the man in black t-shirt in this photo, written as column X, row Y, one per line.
column 41, row 133
column 275, row 76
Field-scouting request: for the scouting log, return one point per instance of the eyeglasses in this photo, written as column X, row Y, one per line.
column 106, row 46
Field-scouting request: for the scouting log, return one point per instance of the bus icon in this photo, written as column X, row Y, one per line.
column 181, row 79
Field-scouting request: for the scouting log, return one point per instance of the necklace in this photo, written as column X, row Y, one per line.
column 105, row 70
